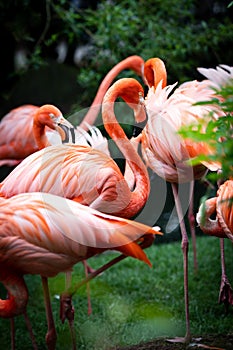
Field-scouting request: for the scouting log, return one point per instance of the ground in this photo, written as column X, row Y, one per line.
column 218, row 342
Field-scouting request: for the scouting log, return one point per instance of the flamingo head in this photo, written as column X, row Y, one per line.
column 131, row 91
column 154, row 72
column 48, row 115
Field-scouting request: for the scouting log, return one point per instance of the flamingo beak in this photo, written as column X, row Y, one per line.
column 66, row 133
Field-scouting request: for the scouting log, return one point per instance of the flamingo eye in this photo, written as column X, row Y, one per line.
column 55, row 117
column 141, row 99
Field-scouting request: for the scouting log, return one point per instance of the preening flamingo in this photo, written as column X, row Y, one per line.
column 16, row 128
column 221, row 226
column 222, row 207
column 46, row 234
column 163, row 149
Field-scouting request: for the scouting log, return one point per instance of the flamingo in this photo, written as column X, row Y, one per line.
column 16, row 127
column 165, row 152
column 15, row 146
column 85, row 174
column 49, row 116
column 39, row 235
column 155, row 71
column 216, row 78
column 222, row 227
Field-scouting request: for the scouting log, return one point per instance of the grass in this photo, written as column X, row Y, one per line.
column 133, row 303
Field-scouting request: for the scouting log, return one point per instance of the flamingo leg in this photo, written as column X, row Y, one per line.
column 12, row 333
column 29, row 327
column 184, row 246
column 145, row 244
column 226, row 292
column 67, row 309
column 51, row 335
column 88, row 270
column 191, row 218
column 67, row 295
column 67, row 312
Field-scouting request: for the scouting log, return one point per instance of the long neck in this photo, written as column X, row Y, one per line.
column 142, row 184
column 135, row 63
column 40, row 134
column 17, row 294
column 210, row 226
column 155, row 71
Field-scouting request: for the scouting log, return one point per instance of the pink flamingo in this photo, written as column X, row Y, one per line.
column 163, row 149
column 221, row 226
column 39, row 236
column 16, row 128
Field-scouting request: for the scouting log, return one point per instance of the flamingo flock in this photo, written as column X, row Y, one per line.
column 67, row 200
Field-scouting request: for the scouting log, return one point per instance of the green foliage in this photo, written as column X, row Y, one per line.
column 133, row 303
column 218, row 133
column 169, row 29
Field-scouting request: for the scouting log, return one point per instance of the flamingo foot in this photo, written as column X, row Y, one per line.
column 225, row 293
column 12, row 333
column 29, row 327
column 183, row 340
column 51, row 339
column 66, row 308
column 67, row 312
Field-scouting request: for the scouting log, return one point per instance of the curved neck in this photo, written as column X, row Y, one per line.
column 136, row 63
column 142, row 184
column 39, row 132
column 210, row 226
column 154, row 72
column 17, row 294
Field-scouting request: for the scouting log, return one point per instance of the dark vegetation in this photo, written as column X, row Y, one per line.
column 185, row 34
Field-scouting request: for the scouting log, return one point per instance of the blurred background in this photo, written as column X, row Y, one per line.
column 59, row 51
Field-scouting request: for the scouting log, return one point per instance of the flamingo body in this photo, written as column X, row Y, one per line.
column 45, row 234
column 163, row 149
column 14, row 146
column 76, row 172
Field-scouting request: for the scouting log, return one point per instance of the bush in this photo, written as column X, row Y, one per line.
column 185, row 34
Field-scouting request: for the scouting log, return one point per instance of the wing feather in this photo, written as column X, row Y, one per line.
column 48, row 226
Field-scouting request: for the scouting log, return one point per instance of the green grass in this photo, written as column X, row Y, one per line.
column 133, row 303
